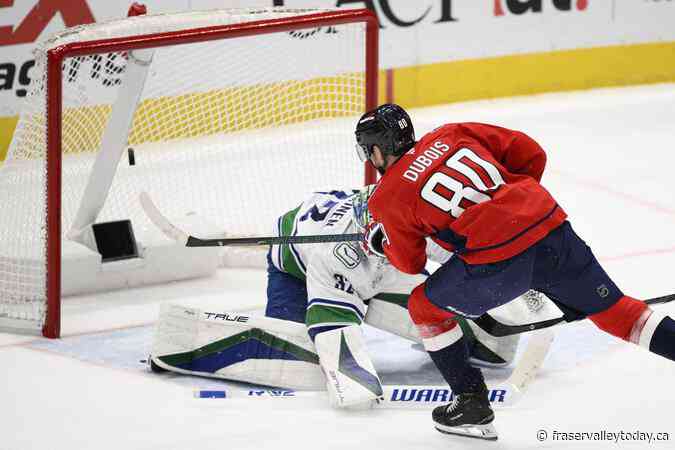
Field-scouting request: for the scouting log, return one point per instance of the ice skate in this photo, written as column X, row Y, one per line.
column 468, row 415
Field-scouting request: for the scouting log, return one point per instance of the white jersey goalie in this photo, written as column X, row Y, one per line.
column 318, row 295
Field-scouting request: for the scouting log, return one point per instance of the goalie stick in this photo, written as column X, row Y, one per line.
column 180, row 236
column 486, row 322
column 394, row 396
column 498, row 329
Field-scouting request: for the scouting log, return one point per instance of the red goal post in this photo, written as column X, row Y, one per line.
column 54, row 108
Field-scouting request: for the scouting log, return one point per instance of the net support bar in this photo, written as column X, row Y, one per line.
column 112, row 147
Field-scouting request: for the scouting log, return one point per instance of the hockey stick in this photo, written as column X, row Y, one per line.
column 486, row 322
column 498, row 329
column 180, row 236
column 394, row 396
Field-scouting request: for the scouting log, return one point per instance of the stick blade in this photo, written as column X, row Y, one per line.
column 160, row 221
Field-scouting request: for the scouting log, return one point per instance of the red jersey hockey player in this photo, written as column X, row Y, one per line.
column 474, row 188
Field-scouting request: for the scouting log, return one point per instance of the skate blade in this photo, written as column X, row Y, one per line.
column 485, row 432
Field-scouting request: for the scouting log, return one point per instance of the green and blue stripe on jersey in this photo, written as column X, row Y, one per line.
column 286, row 257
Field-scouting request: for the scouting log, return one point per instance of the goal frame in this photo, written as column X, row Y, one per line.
column 54, row 87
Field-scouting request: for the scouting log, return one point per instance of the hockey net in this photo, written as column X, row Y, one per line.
column 229, row 116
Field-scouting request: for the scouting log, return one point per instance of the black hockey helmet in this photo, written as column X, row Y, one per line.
column 389, row 127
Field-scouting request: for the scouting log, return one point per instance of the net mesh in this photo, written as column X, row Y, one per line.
column 235, row 131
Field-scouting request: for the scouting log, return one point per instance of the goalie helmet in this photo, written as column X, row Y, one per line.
column 387, row 126
column 360, row 207
column 373, row 233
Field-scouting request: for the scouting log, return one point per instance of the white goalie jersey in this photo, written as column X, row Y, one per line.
column 340, row 276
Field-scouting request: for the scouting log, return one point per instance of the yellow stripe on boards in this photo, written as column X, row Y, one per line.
column 225, row 110
column 534, row 73
column 7, row 126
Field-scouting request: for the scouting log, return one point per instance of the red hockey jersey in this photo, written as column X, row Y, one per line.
column 474, row 188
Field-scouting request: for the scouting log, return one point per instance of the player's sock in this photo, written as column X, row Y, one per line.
column 444, row 341
column 633, row 321
column 655, row 332
column 453, row 362
column 619, row 319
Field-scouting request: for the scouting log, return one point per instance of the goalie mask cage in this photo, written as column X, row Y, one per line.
column 226, row 118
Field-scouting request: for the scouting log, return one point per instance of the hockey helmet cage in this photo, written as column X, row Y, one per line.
column 389, row 127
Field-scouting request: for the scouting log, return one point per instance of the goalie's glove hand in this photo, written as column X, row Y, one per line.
column 374, row 238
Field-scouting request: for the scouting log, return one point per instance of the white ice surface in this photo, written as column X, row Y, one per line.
column 611, row 157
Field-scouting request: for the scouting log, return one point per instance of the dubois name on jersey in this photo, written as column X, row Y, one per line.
column 473, row 188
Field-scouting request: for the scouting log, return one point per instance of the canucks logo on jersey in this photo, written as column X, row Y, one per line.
column 322, row 213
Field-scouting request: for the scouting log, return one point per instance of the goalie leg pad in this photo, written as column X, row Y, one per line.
column 391, row 317
column 351, row 378
column 491, row 351
column 236, row 347
column 530, row 307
